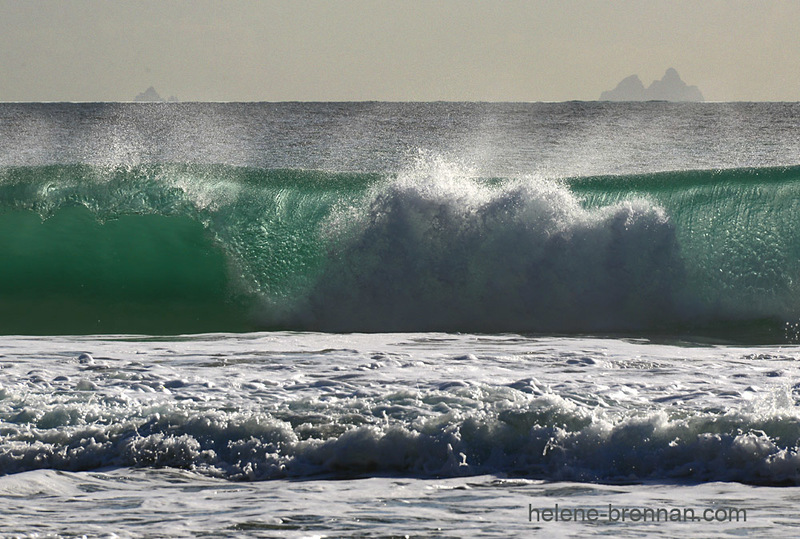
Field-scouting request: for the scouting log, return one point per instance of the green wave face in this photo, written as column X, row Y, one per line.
column 195, row 248
column 157, row 249
column 738, row 233
column 141, row 274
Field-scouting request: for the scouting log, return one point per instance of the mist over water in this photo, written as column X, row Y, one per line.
column 492, row 139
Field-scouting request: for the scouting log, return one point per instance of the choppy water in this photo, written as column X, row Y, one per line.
column 587, row 304
column 385, row 434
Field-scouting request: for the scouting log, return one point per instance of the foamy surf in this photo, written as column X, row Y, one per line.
column 418, row 405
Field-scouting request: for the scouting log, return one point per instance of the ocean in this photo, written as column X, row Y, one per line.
column 399, row 319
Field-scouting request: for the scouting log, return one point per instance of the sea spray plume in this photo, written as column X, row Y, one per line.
column 437, row 249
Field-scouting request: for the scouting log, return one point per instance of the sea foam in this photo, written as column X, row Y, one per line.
column 436, row 249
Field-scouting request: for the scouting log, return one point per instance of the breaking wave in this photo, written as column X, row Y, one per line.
column 460, row 430
column 190, row 248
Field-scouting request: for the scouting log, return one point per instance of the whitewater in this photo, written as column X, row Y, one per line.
column 389, row 319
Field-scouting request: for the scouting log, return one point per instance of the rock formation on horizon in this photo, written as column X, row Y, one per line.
column 151, row 96
column 669, row 88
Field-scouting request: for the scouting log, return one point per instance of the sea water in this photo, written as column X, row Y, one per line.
column 383, row 319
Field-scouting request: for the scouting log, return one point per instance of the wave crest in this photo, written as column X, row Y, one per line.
column 445, row 252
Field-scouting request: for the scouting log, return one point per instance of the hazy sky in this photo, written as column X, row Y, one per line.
column 270, row 50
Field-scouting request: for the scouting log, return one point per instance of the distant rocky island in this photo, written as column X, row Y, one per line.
column 151, row 96
column 669, row 88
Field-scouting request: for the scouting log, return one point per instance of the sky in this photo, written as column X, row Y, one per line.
column 399, row 50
